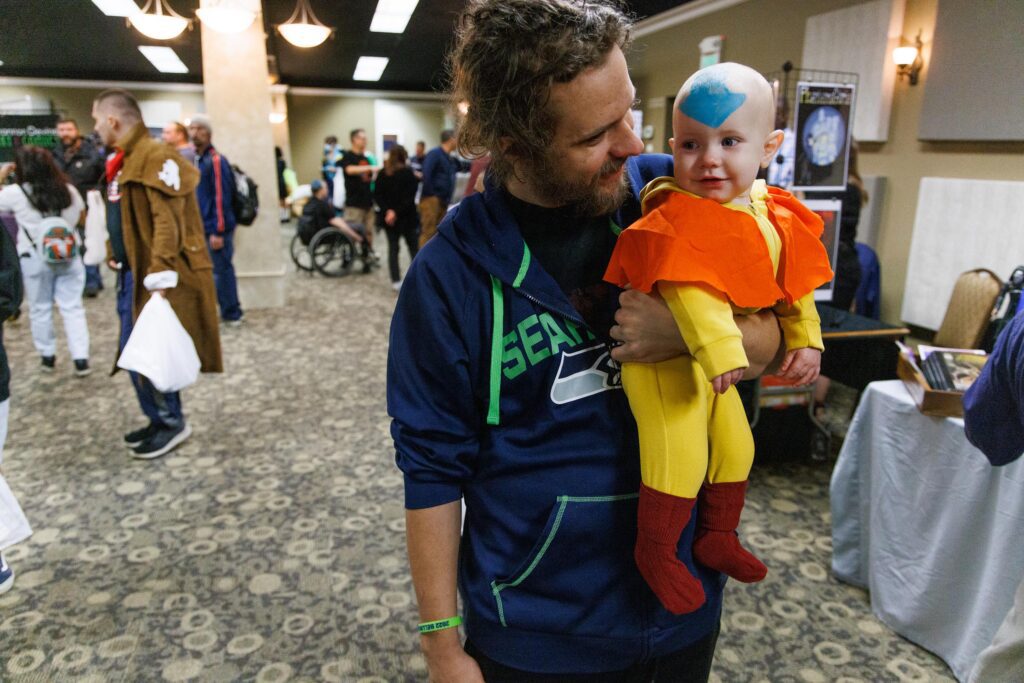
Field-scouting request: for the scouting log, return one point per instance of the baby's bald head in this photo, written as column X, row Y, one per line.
column 713, row 94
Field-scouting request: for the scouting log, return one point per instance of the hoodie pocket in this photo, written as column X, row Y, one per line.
column 580, row 577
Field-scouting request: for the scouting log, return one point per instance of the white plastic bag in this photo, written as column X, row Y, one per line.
column 95, row 229
column 160, row 349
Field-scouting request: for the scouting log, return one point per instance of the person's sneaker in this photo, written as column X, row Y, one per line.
column 82, row 368
column 47, row 363
column 90, row 292
column 162, row 442
column 396, row 285
column 6, row 575
column 234, row 323
column 133, row 439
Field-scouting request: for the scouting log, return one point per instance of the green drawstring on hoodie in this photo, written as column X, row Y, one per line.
column 497, row 336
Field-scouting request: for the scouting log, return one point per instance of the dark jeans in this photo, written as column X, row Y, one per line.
column 162, row 409
column 224, row 278
column 407, row 231
column 690, row 665
column 93, row 279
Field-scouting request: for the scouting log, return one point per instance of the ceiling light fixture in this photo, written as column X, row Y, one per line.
column 303, row 29
column 164, row 59
column 370, row 68
column 278, row 117
column 117, row 8
column 163, row 23
column 392, row 16
column 226, row 16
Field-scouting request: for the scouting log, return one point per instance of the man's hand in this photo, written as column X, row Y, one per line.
column 390, row 217
column 722, row 383
column 216, row 242
column 801, row 366
column 447, row 662
column 646, row 328
column 113, row 265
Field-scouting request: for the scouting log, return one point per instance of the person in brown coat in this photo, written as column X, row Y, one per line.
column 158, row 247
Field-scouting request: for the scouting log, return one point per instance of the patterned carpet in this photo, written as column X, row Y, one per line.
column 270, row 547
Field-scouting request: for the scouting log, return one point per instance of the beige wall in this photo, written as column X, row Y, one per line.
column 661, row 62
column 311, row 118
column 77, row 102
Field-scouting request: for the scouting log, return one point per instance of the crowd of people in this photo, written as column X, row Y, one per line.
column 406, row 196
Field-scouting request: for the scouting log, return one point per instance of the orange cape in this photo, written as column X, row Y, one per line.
column 689, row 240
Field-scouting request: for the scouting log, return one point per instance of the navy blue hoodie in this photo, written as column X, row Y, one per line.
column 500, row 394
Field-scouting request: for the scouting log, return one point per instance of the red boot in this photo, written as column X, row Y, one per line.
column 661, row 519
column 717, row 545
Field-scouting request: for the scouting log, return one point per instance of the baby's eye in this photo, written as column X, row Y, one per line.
column 689, row 145
column 730, row 142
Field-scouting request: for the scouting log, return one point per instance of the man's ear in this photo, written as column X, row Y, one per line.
column 771, row 147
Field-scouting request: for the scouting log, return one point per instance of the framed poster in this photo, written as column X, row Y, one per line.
column 26, row 129
column 822, row 120
column 830, row 210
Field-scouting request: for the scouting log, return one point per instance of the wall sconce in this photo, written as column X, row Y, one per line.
column 908, row 59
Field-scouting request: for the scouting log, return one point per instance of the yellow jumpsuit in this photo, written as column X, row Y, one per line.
column 689, row 434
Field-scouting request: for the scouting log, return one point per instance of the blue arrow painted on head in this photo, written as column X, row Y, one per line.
column 710, row 101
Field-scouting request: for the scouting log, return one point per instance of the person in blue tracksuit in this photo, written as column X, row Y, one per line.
column 502, row 384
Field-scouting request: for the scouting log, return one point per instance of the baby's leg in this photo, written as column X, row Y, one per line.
column 721, row 499
column 671, row 414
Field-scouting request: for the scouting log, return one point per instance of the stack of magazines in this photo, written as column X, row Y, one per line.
column 950, row 369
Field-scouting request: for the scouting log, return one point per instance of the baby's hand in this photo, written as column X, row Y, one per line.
column 801, row 366
column 722, row 383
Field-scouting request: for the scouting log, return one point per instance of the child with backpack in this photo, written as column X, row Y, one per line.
column 46, row 207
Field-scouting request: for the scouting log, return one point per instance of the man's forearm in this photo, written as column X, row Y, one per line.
column 762, row 342
column 432, row 536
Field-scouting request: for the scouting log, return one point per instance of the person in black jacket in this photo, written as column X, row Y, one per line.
column 395, row 194
column 15, row 527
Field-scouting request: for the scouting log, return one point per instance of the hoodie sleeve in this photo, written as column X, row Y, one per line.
column 435, row 418
column 994, row 405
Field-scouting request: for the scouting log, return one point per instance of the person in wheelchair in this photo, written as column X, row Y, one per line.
column 318, row 214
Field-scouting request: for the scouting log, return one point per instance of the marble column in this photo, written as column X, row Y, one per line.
column 237, row 93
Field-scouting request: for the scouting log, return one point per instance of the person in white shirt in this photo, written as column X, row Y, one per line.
column 42, row 190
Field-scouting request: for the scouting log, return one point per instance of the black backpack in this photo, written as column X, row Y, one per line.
column 246, row 202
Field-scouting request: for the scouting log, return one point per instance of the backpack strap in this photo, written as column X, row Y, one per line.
column 28, row 196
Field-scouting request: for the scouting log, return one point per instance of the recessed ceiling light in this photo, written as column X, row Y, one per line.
column 164, row 59
column 392, row 16
column 370, row 68
column 117, row 8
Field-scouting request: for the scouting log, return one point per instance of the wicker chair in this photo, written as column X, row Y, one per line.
column 969, row 310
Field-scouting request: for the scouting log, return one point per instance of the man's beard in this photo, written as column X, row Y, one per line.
column 585, row 194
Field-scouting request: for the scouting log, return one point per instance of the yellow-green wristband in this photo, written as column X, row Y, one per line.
column 439, row 625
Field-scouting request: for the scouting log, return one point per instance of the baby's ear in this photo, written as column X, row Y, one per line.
column 771, row 147
column 672, row 144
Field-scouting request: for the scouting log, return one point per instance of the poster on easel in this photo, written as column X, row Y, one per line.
column 830, row 211
column 26, row 129
column 823, row 119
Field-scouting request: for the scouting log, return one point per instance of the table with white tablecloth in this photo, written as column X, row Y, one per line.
column 924, row 522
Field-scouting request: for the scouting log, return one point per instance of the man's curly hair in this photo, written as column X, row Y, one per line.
column 508, row 54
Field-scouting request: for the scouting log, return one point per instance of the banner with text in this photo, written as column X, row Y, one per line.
column 26, row 129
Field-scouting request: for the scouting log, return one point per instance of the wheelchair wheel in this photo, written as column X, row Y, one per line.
column 301, row 255
column 332, row 253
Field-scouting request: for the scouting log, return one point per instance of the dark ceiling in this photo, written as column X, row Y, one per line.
column 73, row 39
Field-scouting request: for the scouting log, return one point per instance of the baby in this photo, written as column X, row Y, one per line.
column 714, row 242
